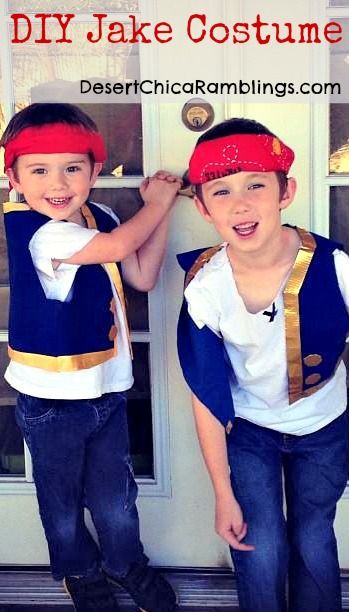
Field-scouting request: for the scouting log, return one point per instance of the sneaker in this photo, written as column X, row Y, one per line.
column 150, row 591
column 91, row 594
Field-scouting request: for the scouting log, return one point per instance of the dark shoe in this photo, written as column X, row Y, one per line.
column 150, row 591
column 91, row 594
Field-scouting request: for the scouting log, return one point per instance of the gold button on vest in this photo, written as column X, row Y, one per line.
column 312, row 360
column 312, row 379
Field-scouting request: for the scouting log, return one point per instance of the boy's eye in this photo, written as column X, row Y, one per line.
column 39, row 171
column 221, row 192
column 256, row 186
column 73, row 168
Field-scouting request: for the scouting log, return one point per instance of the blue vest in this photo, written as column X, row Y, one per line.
column 316, row 326
column 50, row 334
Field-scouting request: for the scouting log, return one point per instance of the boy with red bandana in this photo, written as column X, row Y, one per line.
column 70, row 350
column 260, row 337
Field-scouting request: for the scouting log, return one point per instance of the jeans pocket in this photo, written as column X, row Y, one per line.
column 33, row 409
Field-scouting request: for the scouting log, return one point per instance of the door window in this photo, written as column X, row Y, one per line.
column 31, row 69
column 337, row 179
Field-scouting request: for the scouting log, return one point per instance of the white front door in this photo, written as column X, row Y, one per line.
column 176, row 501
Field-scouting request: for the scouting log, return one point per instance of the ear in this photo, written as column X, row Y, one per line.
column 95, row 172
column 14, row 180
column 289, row 193
column 202, row 209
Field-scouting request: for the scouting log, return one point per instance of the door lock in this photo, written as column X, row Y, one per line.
column 197, row 115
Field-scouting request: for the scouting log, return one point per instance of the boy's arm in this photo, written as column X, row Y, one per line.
column 128, row 237
column 141, row 269
column 229, row 522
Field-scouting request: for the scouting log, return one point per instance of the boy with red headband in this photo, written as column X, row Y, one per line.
column 70, row 351
column 261, row 335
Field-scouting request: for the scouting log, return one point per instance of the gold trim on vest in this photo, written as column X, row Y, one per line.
column 200, row 262
column 63, row 363
column 15, row 206
column 88, row 216
column 292, row 321
column 116, row 278
column 114, row 275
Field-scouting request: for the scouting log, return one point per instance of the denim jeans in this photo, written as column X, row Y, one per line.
column 80, row 456
column 300, row 548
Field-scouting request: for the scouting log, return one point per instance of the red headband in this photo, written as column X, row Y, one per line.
column 55, row 138
column 221, row 157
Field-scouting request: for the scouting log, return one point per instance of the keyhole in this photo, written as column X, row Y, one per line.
column 197, row 121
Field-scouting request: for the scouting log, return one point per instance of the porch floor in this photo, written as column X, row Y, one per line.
column 26, row 591
column 14, row 608
column 198, row 590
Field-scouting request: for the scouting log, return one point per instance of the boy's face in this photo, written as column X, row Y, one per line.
column 55, row 184
column 244, row 208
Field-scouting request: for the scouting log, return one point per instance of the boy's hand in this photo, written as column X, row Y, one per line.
column 230, row 523
column 160, row 189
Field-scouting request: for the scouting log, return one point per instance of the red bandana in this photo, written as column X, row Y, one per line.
column 214, row 159
column 55, row 138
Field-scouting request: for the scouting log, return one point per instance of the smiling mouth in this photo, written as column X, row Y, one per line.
column 59, row 202
column 245, row 229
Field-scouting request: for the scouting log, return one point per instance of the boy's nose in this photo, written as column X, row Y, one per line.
column 239, row 204
column 59, row 181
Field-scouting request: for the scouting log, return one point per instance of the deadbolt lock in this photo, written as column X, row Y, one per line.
column 197, row 115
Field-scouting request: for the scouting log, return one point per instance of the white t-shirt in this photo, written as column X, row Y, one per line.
column 257, row 350
column 60, row 240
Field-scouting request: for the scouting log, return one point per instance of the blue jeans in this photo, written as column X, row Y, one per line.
column 80, row 456
column 302, row 548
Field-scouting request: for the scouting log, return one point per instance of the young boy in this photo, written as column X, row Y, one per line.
column 261, row 334
column 70, row 351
